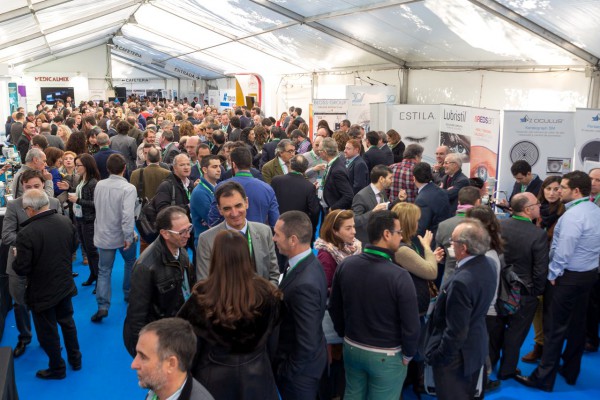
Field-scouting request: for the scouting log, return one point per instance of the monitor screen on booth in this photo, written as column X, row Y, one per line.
column 51, row 94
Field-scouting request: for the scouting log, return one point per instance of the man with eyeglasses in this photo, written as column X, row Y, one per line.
column 572, row 272
column 454, row 180
column 373, row 306
column 162, row 278
column 279, row 165
column 456, row 342
column 526, row 249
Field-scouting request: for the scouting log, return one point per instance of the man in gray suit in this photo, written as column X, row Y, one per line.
column 371, row 198
column 232, row 204
column 14, row 217
column 53, row 141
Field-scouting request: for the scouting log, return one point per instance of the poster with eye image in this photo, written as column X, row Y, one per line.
column 587, row 138
column 542, row 138
column 416, row 124
column 455, row 132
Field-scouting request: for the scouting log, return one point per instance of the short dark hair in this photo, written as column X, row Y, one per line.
column 176, row 337
column 372, row 137
column 242, row 157
column 520, row 167
column 579, row 180
column 379, row 222
column 207, row 159
column 345, row 122
column 297, row 223
column 379, row 171
column 422, row 172
column 168, row 135
column 40, row 141
column 153, row 155
column 296, row 133
column 468, row 195
column 29, row 174
column 227, row 189
column 518, row 202
column 218, row 137
column 115, row 164
column 89, row 119
column 299, row 163
column 164, row 219
column 298, row 110
column 277, row 132
column 235, row 121
column 354, row 131
column 413, row 150
column 266, row 122
column 123, row 128
column 476, row 182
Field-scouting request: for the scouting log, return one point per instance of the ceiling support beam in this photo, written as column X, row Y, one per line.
column 331, row 32
column 26, row 10
column 231, row 37
column 509, row 15
column 359, row 9
column 143, row 67
column 488, row 65
column 70, row 24
column 49, row 56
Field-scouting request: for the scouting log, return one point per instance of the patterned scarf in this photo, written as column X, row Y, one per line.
column 338, row 255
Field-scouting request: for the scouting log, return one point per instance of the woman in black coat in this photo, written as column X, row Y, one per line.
column 85, row 211
column 233, row 313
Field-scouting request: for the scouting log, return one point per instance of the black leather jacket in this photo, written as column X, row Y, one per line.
column 156, row 289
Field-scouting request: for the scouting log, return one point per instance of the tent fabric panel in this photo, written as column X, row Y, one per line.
column 316, row 7
column 14, row 52
column 574, row 20
column 6, row 6
column 18, row 28
column 84, row 39
column 76, row 9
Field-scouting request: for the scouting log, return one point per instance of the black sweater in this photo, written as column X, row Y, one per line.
column 373, row 302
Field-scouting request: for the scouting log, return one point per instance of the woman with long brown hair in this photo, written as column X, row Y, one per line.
column 233, row 313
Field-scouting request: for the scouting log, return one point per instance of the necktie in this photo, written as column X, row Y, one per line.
column 285, row 269
column 448, row 179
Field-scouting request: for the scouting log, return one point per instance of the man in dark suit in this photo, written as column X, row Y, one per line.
column 433, row 201
column 385, row 149
column 526, row 249
column 525, row 181
column 358, row 172
column 335, row 191
column 374, row 155
column 454, row 180
column 301, row 354
column 371, row 199
column 456, row 342
column 102, row 155
column 268, row 150
column 295, row 192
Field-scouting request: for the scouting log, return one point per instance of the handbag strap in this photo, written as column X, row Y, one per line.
column 140, row 189
column 173, row 195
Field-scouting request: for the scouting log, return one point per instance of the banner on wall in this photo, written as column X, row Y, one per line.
column 226, row 99
column 474, row 134
column 13, row 97
column 360, row 98
column 544, row 139
column 334, row 111
column 213, row 97
column 417, row 124
column 587, row 138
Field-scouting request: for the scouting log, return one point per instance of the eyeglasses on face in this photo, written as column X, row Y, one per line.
column 182, row 232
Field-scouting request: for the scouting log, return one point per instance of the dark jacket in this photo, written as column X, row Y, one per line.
column 23, row 146
column 453, row 184
column 337, row 190
column 375, row 156
column 86, row 201
column 373, row 302
column 358, row 173
column 164, row 194
column 302, row 348
column 398, row 152
column 100, row 157
column 295, row 192
column 156, row 289
column 232, row 363
column 526, row 248
column 534, row 187
column 435, row 208
column 268, row 152
column 45, row 246
column 457, row 327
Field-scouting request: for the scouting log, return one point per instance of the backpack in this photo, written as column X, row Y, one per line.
column 510, row 289
column 145, row 221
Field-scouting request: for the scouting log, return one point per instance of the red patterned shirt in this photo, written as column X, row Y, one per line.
column 402, row 179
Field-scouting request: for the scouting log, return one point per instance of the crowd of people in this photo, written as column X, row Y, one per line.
column 234, row 293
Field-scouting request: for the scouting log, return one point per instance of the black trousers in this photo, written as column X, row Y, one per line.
column 451, row 382
column 593, row 316
column 86, row 233
column 514, row 332
column 565, row 307
column 46, row 325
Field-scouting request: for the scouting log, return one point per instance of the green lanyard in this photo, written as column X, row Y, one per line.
column 247, row 174
column 460, row 213
column 521, row 218
column 579, row 201
column 595, row 198
column 207, row 188
column 249, row 238
column 378, row 253
column 290, row 269
column 296, row 173
column 523, row 188
column 199, row 169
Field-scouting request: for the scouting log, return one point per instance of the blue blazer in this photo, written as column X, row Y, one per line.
column 358, row 172
column 435, row 208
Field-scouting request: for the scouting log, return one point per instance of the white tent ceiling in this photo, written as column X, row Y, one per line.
column 209, row 39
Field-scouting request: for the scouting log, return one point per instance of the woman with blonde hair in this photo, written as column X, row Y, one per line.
column 64, row 132
column 186, row 129
column 233, row 313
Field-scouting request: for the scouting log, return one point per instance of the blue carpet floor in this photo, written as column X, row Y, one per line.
column 106, row 373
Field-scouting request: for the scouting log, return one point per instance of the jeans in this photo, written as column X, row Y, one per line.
column 105, row 265
column 17, row 286
column 373, row 375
